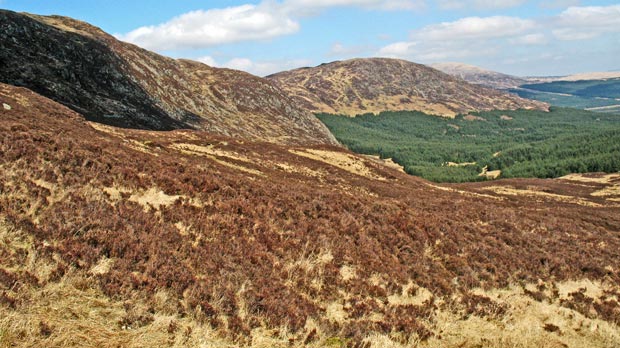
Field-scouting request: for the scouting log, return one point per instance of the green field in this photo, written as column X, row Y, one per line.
column 523, row 144
column 597, row 94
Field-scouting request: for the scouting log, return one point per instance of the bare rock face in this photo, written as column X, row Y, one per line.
column 479, row 76
column 116, row 83
column 373, row 85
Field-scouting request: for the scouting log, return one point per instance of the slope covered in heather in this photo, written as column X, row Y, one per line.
column 117, row 237
column 120, row 84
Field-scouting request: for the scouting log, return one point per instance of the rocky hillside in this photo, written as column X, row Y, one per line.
column 373, row 85
column 115, row 237
column 479, row 76
column 119, row 84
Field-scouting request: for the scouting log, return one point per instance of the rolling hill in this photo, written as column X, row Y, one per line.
column 119, row 237
column 119, row 84
column 360, row 86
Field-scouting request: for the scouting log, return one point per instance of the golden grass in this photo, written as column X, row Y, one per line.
column 510, row 191
column 73, row 312
column 349, row 163
column 523, row 327
column 613, row 190
column 600, row 179
column 406, row 298
column 464, row 164
column 216, row 154
column 388, row 162
column 153, row 198
column 464, row 193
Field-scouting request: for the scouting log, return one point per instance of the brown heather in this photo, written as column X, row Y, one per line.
column 124, row 238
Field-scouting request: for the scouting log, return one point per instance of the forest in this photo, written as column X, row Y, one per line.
column 523, row 143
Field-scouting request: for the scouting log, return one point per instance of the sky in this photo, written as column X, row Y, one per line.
column 519, row 37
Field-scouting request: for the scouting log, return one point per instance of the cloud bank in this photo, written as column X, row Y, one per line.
column 269, row 19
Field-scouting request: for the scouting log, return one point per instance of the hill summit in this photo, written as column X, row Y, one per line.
column 373, row 85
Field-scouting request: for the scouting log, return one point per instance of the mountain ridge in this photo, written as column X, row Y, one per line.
column 372, row 85
column 116, row 83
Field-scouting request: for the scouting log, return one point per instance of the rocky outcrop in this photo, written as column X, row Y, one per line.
column 373, row 85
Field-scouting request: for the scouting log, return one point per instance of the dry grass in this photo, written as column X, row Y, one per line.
column 590, row 178
column 71, row 311
column 464, row 164
column 389, row 162
column 613, row 190
column 529, row 323
column 510, row 191
column 153, row 198
column 344, row 161
column 473, row 118
column 281, row 260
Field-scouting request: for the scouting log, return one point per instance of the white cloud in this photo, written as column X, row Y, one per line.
column 269, row 19
column 259, row 68
column 479, row 4
column 531, row 39
column 581, row 23
column 397, row 50
column 466, row 37
column 474, row 28
column 312, row 6
column 199, row 29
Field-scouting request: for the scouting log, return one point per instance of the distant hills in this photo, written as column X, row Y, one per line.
column 494, row 79
column 596, row 91
column 120, row 84
column 373, row 85
column 480, row 76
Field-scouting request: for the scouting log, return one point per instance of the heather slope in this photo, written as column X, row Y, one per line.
column 186, row 238
column 119, row 84
column 373, row 85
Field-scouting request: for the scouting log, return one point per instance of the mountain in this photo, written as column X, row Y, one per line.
column 119, row 84
column 587, row 76
column 113, row 237
column 479, row 76
column 373, row 85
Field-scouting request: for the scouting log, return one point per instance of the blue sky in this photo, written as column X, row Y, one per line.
column 547, row 37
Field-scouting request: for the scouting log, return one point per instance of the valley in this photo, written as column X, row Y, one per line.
column 148, row 201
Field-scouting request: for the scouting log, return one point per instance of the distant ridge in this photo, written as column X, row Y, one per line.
column 373, row 85
column 480, row 76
